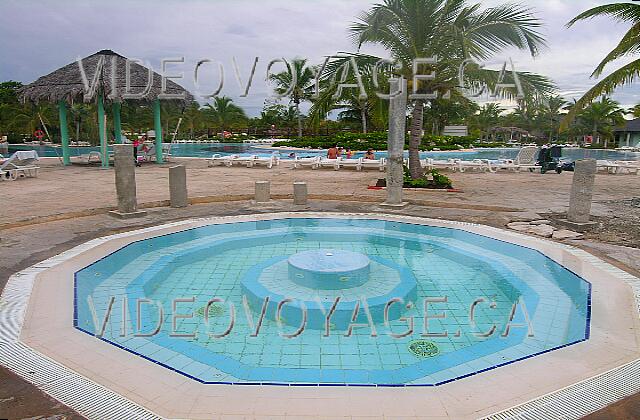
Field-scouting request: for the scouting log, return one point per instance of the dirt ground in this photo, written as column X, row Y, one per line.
column 64, row 207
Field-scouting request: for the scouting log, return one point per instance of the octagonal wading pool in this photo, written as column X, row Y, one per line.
column 331, row 301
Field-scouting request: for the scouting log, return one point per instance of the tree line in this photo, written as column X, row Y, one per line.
column 458, row 32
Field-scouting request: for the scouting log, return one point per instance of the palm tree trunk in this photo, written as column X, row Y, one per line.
column 78, row 129
column 299, row 119
column 415, row 139
column 363, row 115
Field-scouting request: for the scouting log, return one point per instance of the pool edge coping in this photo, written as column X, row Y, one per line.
column 15, row 299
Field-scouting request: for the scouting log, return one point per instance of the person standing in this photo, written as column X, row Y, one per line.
column 136, row 143
column 333, row 152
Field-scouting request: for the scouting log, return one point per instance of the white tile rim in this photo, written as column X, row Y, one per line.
column 99, row 402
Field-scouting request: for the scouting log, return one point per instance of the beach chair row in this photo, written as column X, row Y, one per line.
column 339, row 163
column 248, row 161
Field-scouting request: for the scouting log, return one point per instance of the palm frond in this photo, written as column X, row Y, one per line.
column 504, row 26
column 623, row 76
column 628, row 45
column 622, row 12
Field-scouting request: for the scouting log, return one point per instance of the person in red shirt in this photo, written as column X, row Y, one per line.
column 136, row 143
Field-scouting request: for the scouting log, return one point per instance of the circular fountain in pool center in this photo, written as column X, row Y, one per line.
column 355, row 301
column 319, row 282
column 331, row 269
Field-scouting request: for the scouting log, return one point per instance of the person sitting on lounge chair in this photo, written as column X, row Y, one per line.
column 370, row 155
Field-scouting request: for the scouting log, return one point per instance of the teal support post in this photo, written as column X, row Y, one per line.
column 64, row 133
column 104, row 150
column 117, row 122
column 158, row 128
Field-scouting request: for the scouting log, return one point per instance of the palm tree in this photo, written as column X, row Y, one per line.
column 80, row 112
column 454, row 31
column 192, row 117
column 298, row 81
column 136, row 117
column 488, row 116
column 29, row 117
column 550, row 111
column 635, row 111
column 629, row 45
column 602, row 117
column 224, row 113
column 363, row 110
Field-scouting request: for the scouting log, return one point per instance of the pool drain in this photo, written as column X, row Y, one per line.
column 423, row 349
column 214, row 310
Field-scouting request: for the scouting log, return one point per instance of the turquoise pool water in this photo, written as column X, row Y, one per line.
column 207, row 150
column 488, row 303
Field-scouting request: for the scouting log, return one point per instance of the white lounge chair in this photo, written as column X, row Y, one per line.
column 474, row 165
column 269, row 162
column 243, row 160
column 330, row 163
column 379, row 164
column 312, row 162
column 20, row 165
column 350, row 163
column 218, row 159
column 629, row 167
column 527, row 158
column 431, row 164
column 88, row 158
column 619, row 167
column 150, row 154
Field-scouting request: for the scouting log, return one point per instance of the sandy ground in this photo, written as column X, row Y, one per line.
column 62, row 190
column 64, row 207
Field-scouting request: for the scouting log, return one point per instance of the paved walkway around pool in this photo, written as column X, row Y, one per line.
column 492, row 199
column 80, row 189
column 614, row 341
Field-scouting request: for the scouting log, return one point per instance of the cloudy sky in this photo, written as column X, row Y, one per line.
column 40, row 36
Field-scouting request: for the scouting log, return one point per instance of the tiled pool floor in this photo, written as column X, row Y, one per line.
column 453, row 269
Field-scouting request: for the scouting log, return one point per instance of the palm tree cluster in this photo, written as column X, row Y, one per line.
column 455, row 31
column 541, row 118
column 452, row 34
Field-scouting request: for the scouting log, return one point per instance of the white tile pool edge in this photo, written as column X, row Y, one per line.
column 95, row 401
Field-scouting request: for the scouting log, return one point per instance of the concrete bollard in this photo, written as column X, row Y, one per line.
column 178, row 186
column 300, row 194
column 263, row 192
column 395, row 161
column 582, row 191
column 125, row 171
column 581, row 195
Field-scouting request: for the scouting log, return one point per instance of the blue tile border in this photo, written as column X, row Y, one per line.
column 354, row 219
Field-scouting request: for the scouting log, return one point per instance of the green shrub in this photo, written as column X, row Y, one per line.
column 431, row 179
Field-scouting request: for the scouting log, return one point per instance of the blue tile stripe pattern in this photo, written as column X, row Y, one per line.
column 217, row 260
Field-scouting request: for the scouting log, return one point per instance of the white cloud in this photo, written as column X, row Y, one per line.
column 40, row 36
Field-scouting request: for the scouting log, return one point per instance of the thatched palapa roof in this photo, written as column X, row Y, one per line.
column 67, row 84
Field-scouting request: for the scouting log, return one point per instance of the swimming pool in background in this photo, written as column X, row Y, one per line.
column 207, row 150
column 487, row 302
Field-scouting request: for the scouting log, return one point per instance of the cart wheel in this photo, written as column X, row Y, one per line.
column 558, row 170
column 532, row 170
column 543, row 171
